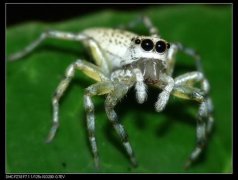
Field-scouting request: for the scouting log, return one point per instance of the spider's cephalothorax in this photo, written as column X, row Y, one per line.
column 123, row 60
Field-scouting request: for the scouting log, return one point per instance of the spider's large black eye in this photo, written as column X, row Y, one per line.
column 160, row 46
column 147, row 44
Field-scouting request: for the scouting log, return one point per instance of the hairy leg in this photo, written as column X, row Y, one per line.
column 145, row 20
column 184, row 89
column 45, row 35
column 85, row 67
column 54, row 34
column 196, row 95
column 111, row 101
column 191, row 52
column 174, row 48
column 172, row 51
column 189, row 79
column 100, row 88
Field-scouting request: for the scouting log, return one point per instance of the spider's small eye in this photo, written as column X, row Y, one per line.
column 137, row 41
column 147, row 44
column 168, row 45
column 160, row 46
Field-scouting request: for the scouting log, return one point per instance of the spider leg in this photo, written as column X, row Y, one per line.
column 89, row 69
column 99, row 88
column 48, row 34
column 189, row 79
column 197, row 95
column 183, row 89
column 204, row 83
column 145, row 20
column 149, row 25
column 171, row 58
column 191, row 52
column 96, row 51
column 111, row 101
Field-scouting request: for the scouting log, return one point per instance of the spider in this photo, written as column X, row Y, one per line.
column 124, row 60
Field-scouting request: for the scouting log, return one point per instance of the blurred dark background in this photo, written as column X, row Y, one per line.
column 19, row 13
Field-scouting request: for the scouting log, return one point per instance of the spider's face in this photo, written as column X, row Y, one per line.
column 149, row 48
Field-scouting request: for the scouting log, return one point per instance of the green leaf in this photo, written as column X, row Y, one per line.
column 162, row 141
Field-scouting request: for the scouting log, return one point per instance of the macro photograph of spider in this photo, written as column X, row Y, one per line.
column 121, row 91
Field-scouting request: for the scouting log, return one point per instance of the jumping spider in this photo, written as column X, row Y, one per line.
column 122, row 60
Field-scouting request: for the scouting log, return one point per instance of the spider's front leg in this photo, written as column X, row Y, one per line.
column 184, row 89
column 112, row 99
column 123, row 80
column 95, row 89
column 89, row 69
